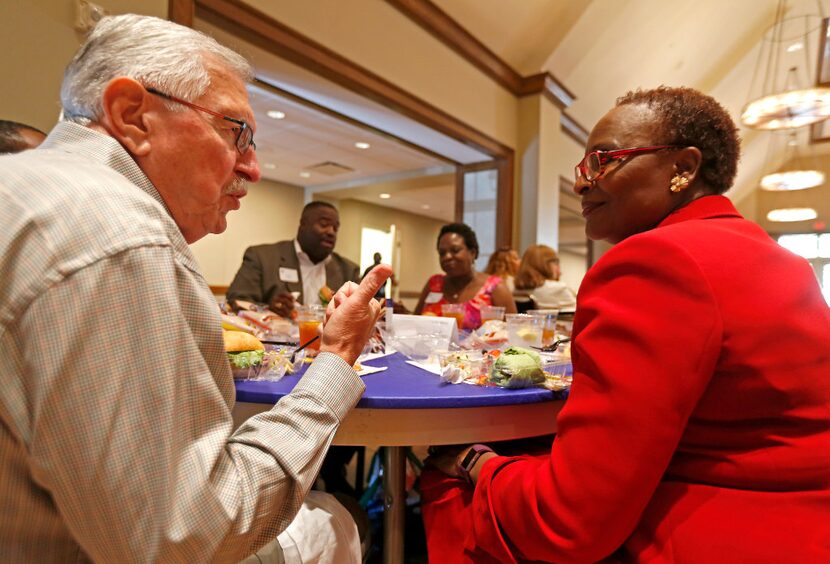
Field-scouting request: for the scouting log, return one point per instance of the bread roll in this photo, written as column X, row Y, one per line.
column 237, row 341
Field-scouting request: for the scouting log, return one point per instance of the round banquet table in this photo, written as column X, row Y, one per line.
column 405, row 406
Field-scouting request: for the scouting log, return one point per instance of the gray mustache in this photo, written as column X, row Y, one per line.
column 237, row 187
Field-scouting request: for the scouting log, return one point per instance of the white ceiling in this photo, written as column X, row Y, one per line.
column 289, row 148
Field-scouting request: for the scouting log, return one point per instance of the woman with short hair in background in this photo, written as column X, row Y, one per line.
column 461, row 283
column 539, row 276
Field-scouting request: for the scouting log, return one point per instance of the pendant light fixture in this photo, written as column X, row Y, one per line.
column 782, row 92
column 793, row 174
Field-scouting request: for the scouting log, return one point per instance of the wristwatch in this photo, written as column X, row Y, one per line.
column 469, row 462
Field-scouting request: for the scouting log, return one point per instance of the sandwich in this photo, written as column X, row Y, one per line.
column 243, row 350
column 517, row 367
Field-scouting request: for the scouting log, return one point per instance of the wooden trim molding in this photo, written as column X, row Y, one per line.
column 181, row 11
column 573, row 129
column 219, row 290
column 263, row 31
column 444, row 28
column 448, row 31
column 265, row 84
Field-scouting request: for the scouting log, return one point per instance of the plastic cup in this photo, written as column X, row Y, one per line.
column 454, row 310
column 489, row 313
column 548, row 325
column 524, row 330
column 310, row 321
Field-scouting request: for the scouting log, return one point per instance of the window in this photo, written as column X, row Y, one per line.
column 815, row 247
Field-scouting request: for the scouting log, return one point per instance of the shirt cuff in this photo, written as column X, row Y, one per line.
column 334, row 381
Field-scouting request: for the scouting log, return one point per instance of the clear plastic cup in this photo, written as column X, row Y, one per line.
column 488, row 313
column 549, row 324
column 454, row 310
column 310, row 322
column 524, row 330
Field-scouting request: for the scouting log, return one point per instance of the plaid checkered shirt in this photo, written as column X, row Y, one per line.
column 116, row 437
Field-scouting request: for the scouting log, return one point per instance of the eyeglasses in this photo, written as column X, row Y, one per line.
column 595, row 164
column 244, row 133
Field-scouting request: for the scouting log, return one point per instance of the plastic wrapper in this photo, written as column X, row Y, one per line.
column 415, row 346
column 464, row 367
column 517, row 367
column 491, row 335
column 275, row 363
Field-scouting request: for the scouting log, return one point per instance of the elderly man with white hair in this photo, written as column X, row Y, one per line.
column 116, row 437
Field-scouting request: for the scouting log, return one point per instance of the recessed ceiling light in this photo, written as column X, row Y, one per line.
column 792, row 214
column 305, row 174
column 384, row 196
column 362, row 145
column 275, row 114
column 270, row 166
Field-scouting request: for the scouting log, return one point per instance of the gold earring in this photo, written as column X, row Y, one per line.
column 679, row 183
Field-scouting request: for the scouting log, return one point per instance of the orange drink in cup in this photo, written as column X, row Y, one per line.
column 310, row 323
column 548, row 325
column 456, row 311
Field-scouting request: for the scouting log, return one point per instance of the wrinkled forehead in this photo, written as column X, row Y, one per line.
column 228, row 95
column 629, row 125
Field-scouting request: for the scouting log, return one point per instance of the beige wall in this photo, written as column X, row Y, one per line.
column 38, row 40
column 417, row 237
column 270, row 213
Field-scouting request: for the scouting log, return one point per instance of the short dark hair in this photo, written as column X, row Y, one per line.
column 466, row 233
column 10, row 139
column 316, row 204
column 691, row 118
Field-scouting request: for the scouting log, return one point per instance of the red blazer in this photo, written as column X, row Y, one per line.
column 698, row 425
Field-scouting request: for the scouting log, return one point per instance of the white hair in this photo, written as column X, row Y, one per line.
column 157, row 53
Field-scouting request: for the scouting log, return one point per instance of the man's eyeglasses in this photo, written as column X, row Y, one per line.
column 595, row 164
column 244, row 133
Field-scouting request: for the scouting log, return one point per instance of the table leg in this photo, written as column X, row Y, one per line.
column 394, row 511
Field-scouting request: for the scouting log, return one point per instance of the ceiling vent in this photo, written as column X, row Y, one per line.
column 330, row 168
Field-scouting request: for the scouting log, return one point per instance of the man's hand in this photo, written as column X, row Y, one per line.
column 351, row 315
column 282, row 305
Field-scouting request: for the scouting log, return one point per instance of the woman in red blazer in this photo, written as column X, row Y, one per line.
column 698, row 424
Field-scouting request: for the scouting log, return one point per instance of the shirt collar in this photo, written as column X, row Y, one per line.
column 301, row 254
column 99, row 147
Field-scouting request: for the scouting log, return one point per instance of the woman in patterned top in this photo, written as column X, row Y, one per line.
column 457, row 251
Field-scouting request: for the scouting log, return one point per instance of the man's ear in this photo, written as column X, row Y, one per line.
column 125, row 104
column 687, row 162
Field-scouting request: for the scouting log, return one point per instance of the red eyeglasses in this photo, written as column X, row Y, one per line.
column 595, row 164
column 244, row 133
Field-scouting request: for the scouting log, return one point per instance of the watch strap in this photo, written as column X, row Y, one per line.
column 470, row 459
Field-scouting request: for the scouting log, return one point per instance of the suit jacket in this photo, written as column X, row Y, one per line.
column 698, row 425
column 258, row 278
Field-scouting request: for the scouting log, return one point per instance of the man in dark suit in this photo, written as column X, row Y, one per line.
column 306, row 269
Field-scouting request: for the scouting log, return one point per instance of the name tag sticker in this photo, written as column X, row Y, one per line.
column 433, row 297
column 289, row 275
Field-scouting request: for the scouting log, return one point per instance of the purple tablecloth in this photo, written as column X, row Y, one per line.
column 405, row 386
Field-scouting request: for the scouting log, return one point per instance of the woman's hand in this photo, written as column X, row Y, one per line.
column 448, row 460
